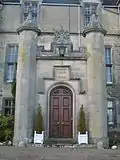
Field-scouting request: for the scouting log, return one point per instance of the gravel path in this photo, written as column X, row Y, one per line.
column 37, row 153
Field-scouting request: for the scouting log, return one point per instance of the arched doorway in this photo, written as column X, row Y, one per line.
column 61, row 113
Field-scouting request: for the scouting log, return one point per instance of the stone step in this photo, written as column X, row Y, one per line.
column 58, row 142
column 62, row 143
column 83, row 146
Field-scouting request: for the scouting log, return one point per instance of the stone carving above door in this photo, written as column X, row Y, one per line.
column 61, row 40
column 61, row 36
column 61, row 47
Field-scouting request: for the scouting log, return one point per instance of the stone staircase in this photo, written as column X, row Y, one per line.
column 63, row 143
column 59, row 142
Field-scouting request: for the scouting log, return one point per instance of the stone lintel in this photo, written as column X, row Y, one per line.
column 94, row 29
column 29, row 28
column 61, row 58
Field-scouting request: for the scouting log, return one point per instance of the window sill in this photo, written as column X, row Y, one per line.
column 8, row 82
column 111, row 124
column 109, row 83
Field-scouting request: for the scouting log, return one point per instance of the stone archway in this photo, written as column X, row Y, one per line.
column 61, row 113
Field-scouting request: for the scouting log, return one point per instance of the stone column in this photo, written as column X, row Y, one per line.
column 26, row 81
column 97, row 106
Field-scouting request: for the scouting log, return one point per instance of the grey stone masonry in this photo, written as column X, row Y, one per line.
column 26, row 78
column 96, row 83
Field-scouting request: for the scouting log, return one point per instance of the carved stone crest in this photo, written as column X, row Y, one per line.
column 61, row 43
column 61, row 37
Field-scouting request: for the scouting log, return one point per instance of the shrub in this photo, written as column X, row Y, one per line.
column 114, row 138
column 6, row 128
column 39, row 121
column 81, row 121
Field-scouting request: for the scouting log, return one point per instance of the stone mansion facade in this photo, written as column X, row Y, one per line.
column 65, row 53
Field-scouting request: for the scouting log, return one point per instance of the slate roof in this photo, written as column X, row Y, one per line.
column 109, row 2
column 11, row 1
column 62, row 1
column 105, row 2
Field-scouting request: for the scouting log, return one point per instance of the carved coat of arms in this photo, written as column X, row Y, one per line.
column 61, row 37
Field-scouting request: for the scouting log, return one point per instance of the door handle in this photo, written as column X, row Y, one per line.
column 58, row 122
column 62, row 122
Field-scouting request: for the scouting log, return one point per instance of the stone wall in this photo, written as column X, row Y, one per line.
column 11, row 15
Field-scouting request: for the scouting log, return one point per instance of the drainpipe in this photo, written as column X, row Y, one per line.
column 79, row 23
column 69, row 19
column 118, row 15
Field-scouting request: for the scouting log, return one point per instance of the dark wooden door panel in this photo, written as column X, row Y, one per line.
column 66, row 127
column 55, row 101
column 66, row 131
column 55, row 131
column 61, row 113
column 55, row 117
column 66, row 115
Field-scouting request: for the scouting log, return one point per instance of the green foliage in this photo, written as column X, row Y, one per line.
column 114, row 138
column 81, row 122
column 39, row 121
column 6, row 128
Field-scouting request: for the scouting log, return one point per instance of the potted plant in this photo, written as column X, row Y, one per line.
column 82, row 132
column 39, row 129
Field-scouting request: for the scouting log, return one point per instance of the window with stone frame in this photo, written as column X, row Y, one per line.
column 110, row 112
column 8, row 107
column 34, row 10
column 109, row 65
column 87, row 13
column 11, row 62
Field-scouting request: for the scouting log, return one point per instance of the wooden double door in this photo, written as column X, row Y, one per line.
column 61, row 113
